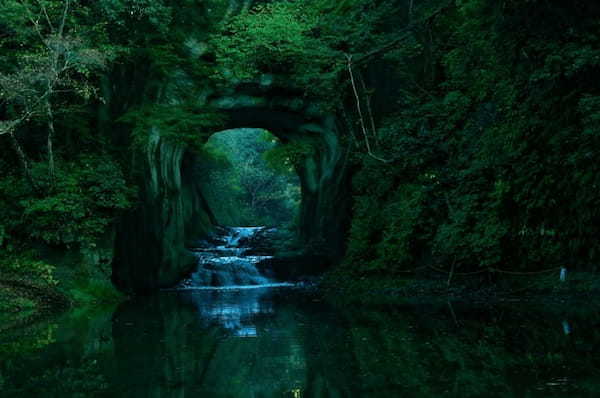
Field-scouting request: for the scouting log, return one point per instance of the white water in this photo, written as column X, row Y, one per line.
column 241, row 232
column 237, row 287
column 225, row 267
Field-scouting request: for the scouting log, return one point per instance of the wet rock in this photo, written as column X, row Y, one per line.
column 294, row 267
column 223, row 261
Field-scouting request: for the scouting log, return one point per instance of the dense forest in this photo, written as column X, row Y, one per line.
column 241, row 185
column 459, row 136
column 418, row 148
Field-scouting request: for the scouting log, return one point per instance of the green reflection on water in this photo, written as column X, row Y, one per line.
column 281, row 343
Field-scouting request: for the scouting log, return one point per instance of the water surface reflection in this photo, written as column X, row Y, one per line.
column 235, row 310
column 283, row 343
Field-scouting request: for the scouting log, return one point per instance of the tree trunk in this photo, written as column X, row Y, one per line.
column 50, row 138
column 23, row 159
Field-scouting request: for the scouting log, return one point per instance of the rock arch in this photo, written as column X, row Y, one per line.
column 150, row 249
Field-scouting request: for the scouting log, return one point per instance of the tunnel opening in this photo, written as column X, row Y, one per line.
column 249, row 181
column 253, row 194
column 154, row 245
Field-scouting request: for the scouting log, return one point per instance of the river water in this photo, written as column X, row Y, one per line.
column 283, row 342
column 263, row 340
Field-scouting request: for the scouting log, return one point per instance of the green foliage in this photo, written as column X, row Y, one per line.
column 303, row 43
column 89, row 193
column 274, row 38
column 3, row 235
column 285, row 158
column 154, row 13
column 43, row 57
column 93, row 291
column 27, row 268
column 178, row 124
column 241, row 187
column 214, row 157
column 488, row 112
column 497, row 136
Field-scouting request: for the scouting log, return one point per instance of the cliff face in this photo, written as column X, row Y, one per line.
column 150, row 244
column 326, row 196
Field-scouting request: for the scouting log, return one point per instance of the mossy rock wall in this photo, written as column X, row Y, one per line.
column 150, row 248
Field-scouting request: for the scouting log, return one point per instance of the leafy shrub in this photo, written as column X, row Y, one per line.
column 499, row 139
column 26, row 267
column 181, row 124
column 88, row 194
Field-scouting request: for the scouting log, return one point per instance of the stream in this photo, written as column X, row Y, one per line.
column 224, row 262
column 228, row 331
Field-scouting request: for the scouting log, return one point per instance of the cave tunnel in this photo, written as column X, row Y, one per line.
column 151, row 249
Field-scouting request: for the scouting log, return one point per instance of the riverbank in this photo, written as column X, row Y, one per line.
column 32, row 289
column 481, row 288
column 23, row 303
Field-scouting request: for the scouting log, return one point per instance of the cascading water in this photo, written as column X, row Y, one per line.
column 224, row 265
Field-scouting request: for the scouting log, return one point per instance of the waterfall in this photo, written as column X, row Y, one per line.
column 223, row 264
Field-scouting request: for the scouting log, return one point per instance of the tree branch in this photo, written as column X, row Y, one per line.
column 11, row 125
column 34, row 22
column 64, row 19
column 43, row 7
column 369, row 109
column 360, row 113
column 407, row 32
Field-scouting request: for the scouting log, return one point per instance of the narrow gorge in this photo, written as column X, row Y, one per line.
column 151, row 241
column 299, row 198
